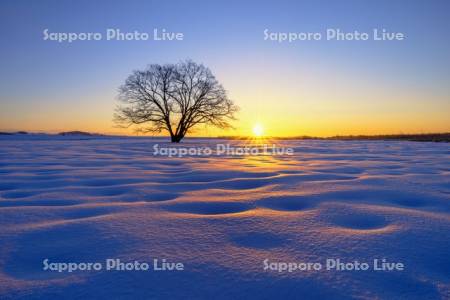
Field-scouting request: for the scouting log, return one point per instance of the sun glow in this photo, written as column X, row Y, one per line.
column 258, row 130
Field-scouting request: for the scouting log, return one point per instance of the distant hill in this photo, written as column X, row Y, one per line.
column 82, row 133
column 12, row 133
column 425, row 137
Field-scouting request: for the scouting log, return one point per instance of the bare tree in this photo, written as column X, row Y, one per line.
column 174, row 98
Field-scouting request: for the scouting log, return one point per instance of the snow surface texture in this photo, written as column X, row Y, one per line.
column 89, row 199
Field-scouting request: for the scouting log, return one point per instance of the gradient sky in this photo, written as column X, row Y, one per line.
column 302, row 88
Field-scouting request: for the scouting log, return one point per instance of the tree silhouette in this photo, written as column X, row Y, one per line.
column 173, row 98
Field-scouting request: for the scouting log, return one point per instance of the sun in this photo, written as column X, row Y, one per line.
column 258, row 130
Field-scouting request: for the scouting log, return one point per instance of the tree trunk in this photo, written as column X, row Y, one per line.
column 176, row 138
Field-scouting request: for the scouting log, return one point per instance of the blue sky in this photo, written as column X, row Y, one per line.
column 320, row 87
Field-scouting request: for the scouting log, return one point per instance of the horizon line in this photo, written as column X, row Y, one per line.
column 342, row 136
